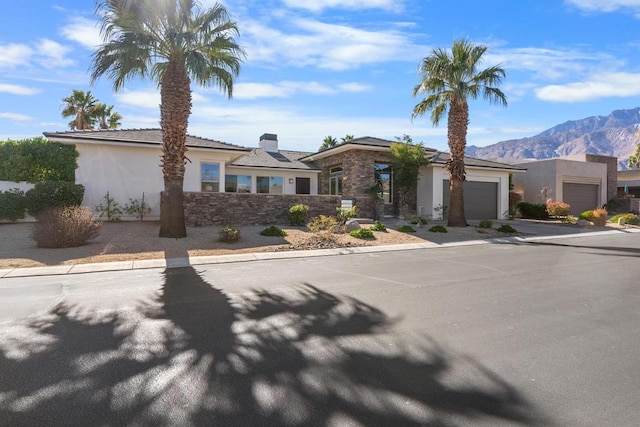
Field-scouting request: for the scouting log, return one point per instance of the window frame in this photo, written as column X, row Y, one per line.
column 215, row 181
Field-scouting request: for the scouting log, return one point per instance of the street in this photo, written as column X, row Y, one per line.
column 539, row 333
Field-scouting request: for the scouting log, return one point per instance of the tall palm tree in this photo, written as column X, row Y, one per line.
column 79, row 105
column 172, row 42
column 328, row 142
column 450, row 78
column 106, row 117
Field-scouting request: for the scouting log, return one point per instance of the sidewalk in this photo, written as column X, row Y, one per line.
column 534, row 231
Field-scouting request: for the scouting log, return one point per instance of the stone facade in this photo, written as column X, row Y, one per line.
column 612, row 172
column 251, row 208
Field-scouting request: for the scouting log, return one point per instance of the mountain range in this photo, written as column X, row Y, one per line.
column 612, row 135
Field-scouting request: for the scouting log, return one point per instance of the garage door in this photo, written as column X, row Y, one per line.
column 480, row 199
column 581, row 197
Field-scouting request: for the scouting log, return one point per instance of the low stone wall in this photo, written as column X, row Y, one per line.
column 250, row 208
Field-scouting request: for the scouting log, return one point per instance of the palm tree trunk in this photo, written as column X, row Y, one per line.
column 175, row 108
column 457, row 134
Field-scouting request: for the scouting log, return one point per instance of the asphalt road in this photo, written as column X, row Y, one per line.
column 543, row 333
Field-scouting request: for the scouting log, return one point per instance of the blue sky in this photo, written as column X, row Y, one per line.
column 334, row 67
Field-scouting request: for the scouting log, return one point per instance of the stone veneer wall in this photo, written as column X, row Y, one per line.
column 250, row 208
column 612, row 172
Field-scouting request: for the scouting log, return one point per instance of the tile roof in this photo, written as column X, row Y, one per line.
column 283, row 159
column 140, row 136
column 442, row 158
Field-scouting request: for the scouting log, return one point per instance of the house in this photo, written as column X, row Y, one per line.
column 584, row 181
column 230, row 184
column 628, row 189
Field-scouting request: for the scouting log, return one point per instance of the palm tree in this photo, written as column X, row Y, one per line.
column 346, row 138
column 172, row 42
column 449, row 78
column 328, row 142
column 634, row 159
column 79, row 105
column 106, row 117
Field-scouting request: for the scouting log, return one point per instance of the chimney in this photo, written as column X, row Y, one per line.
column 269, row 142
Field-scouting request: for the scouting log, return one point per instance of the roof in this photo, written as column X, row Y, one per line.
column 283, row 159
column 139, row 136
column 441, row 158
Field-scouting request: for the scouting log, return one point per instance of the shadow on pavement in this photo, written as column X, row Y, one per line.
column 196, row 356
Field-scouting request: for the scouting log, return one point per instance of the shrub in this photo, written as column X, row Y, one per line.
column 419, row 221
column 322, row 223
column 629, row 218
column 65, row 227
column 273, row 231
column 228, row 234
column 138, row 208
column 37, row 159
column 600, row 217
column 109, row 209
column 558, row 209
column 587, row 215
column 406, row 229
column 52, row 194
column 506, row 228
column 344, row 215
column 12, row 204
column 485, row 223
column 533, row 210
column 438, row 229
column 298, row 214
column 378, row 226
column 362, row 233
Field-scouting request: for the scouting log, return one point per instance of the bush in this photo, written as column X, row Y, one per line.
column 273, row 231
column 406, row 229
column 558, row 209
column 506, row 228
column 109, row 209
column 138, row 208
column 65, row 227
column 378, row 226
column 533, row 210
column 587, row 215
column 228, row 234
column 344, row 215
column 419, row 221
column 485, row 223
column 362, row 233
column 12, row 204
column 438, row 229
column 600, row 217
column 629, row 218
column 298, row 214
column 53, row 194
column 322, row 223
column 37, row 159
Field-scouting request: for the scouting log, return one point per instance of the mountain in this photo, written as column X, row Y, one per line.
column 612, row 135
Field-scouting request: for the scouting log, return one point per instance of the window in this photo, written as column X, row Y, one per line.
column 335, row 181
column 269, row 184
column 210, row 177
column 237, row 184
column 303, row 185
column 383, row 176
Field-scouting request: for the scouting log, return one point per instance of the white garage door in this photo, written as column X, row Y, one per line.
column 480, row 199
column 581, row 197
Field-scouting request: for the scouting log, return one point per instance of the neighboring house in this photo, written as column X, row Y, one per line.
column 229, row 184
column 629, row 183
column 584, row 182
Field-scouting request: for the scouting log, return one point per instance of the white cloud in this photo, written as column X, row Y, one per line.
column 52, row 54
column 606, row 5
column 320, row 5
column 15, row 116
column 143, row 98
column 18, row 90
column 12, row 55
column 83, row 31
column 287, row 89
column 354, row 87
column 618, row 85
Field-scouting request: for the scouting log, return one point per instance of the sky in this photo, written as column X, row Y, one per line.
column 315, row 68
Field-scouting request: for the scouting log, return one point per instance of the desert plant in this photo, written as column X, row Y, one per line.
column 406, row 229
column 12, row 204
column 438, row 229
column 533, row 210
column 558, row 209
column 419, row 220
column 441, row 211
column 587, row 215
column 65, row 227
column 485, row 223
column 298, row 214
column 322, row 223
column 52, row 194
column 344, row 215
column 362, row 233
column 600, row 217
column 136, row 207
column 506, row 228
column 109, row 209
column 273, row 231
column 378, row 226
column 229, row 234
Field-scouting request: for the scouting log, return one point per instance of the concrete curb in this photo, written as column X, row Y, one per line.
column 261, row 256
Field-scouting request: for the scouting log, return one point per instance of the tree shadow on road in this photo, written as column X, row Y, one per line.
column 197, row 356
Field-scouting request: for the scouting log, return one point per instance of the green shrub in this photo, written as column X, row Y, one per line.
column 65, row 227
column 51, row 194
column 587, row 215
column 12, row 204
column 298, row 214
column 506, row 228
column 378, row 226
column 629, row 218
column 419, row 221
column 600, row 217
column 138, row 208
column 362, row 233
column 344, row 215
column 485, row 223
column 438, row 229
column 228, row 234
column 109, row 209
column 533, row 210
column 406, row 229
column 322, row 223
column 273, row 231
column 37, row 159
column 558, row 209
